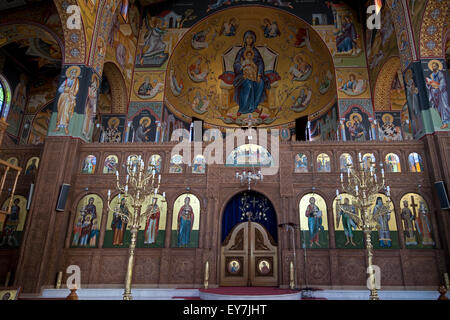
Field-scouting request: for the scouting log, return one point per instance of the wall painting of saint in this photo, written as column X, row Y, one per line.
column 11, row 228
column 313, row 221
column 416, row 220
column 86, row 227
column 186, row 222
column 386, row 236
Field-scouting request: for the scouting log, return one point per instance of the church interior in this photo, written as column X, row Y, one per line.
column 292, row 147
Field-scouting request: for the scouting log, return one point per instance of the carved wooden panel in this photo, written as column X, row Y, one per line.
column 181, row 269
column 113, row 269
column 147, row 269
column 259, row 241
column 239, row 241
column 318, row 270
column 352, row 270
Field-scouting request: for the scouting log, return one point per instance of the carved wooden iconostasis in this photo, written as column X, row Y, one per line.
column 136, row 76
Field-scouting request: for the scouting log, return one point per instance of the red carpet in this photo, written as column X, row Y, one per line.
column 248, row 291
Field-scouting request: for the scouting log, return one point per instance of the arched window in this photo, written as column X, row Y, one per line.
column 155, row 163
column 301, row 163
column 86, row 227
column 134, row 160
column 199, row 165
column 111, row 164
column 89, row 164
column 176, row 164
column 393, row 163
column 345, row 161
column 415, row 162
column 313, row 221
column 5, row 97
column 369, row 159
column 323, row 163
column 185, row 222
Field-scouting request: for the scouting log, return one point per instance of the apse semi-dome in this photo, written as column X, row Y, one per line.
column 258, row 66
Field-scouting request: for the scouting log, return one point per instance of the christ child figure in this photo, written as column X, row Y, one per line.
column 249, row 67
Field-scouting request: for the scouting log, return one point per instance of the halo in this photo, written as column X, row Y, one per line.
column 95, row 78
column 145, row 118
column 113, row 122
column 299, row 55
column 357, row 115
column 69, row 70
column 430, row 65
column 387, row 118
column 250, row 33
column 349, row 123
column 408, row 74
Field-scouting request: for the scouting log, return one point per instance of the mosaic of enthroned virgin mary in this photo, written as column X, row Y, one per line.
column 249, row 92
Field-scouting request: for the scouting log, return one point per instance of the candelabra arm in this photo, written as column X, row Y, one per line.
column 381, row 212
column 354, row 216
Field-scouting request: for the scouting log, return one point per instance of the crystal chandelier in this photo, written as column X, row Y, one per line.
column 249, row 177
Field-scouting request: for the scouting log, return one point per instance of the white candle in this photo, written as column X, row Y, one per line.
column 356, row 189
column 164, row 194
column 117, row 173
column 382, row 173
column 342, row 177
column 156, row 191
column 118, row 196
column 128, row 178
column 109, row 193
column 337, row 193
column 126, row 189
column 359, row 157
column 159, row 178
column 375, row 177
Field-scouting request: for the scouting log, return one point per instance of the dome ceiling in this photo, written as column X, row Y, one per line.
column 253, row 66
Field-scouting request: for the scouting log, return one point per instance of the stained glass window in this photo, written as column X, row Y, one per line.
column 5, row 97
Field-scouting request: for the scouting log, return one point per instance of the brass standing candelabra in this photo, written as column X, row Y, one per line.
column 363, row 185
column 139, row 185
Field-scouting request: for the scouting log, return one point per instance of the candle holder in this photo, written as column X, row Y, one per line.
column 139, row 185
column 363, row 184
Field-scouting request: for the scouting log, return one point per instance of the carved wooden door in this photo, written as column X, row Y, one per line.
column 249, row 257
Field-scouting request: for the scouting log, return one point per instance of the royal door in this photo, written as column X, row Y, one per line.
column 249, row 257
